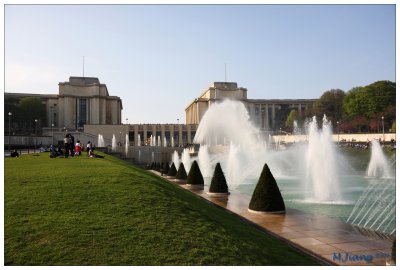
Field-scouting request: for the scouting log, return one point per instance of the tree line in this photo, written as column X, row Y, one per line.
column 359, row 110
column 24, row 112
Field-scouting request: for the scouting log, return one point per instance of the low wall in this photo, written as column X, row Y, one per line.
column 339, row 137
column 146, row 154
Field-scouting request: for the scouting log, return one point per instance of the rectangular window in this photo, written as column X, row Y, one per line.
column 82, row 112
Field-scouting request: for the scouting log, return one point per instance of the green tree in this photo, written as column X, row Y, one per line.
column 195, row 177
column 370, row 101
column 181, row 174
column 266, row 196
column 172, row 170
column 218, row 181
column 293, row 115
column 31, row 108
column 331, row 104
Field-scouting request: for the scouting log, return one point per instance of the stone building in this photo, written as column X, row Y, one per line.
column 80, row 101
column 263, row 112
column 164, row 135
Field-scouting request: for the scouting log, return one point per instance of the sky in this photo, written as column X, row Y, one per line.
column 159, row 58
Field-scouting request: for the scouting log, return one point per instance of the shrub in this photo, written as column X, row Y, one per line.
column 218, row 181
column 172, row 170
column 266, row 196
column 166, row 168
column 195, row 177
column 181, row 174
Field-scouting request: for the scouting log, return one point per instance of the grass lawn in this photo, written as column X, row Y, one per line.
column 85, row 211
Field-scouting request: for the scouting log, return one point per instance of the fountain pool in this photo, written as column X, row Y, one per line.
column 314, row 176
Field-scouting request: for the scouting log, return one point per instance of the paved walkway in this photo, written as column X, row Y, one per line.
column 330, row 241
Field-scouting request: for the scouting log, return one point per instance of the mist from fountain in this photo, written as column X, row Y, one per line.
column 126, row 144
column 378, row 166
column 100, row 141
column 114, row 143
column 139, row 140
column 172, row 142
column 321, row 171
column 175, row 159
column 158, row 141
column 204, row 161
column 165, row 142
column 243, row 160
column 186, row 159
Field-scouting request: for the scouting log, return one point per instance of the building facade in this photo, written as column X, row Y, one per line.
column 80, row 101
column 264, row 113
column 164, row 135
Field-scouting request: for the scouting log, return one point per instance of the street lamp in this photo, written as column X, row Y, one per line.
column 35, row 135
column 52, row 134
column 177, row 120
column 9, row 132
column 126, row 120
column 120, row 138
column 383, row 129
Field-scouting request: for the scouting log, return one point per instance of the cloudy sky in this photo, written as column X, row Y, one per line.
column 158, row 58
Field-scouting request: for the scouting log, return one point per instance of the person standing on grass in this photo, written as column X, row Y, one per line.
column 78, row 148
column 88, row 146
column 67, row 142
column 72, row 145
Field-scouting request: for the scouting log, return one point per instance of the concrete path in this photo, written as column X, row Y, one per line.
column 330, row 241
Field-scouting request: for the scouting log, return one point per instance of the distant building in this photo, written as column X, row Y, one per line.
column 80, row 101
column 263, row 112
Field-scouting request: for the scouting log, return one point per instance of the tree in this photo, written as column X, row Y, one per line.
column 195, row 177
column 172, row 170
column 181, row 174
column 331, row 104
column 266, row 196
column 293, row 116
column 166, row 168
column 371, row 100
column 218, row 181
column 31, row 108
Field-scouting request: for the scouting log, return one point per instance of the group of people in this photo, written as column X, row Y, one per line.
column 71, row 148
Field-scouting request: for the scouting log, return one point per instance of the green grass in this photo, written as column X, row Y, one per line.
column 85, row 211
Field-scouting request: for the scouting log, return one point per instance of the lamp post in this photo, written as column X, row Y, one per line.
column 36, row 121
column 120, row 138
column 9, row 132
column 177, row 120
column 383, row 129
column 126, row 121
column 52, row 134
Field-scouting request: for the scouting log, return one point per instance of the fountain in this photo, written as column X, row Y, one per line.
column 152, row 156
column 139, row 140
column 205, row 162
column 378, row 166
column 158, row 141
column 172, row 142
column 313, row 176
column 165, row 142
column 175, row 159
column 186, row 159
column 114, row 144
column 100, row 141
column 154, row 141
column 151, row 140
column 321, row 172
column 126, row 144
